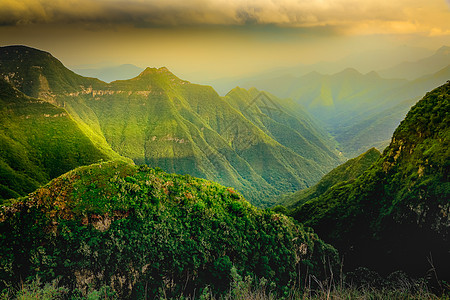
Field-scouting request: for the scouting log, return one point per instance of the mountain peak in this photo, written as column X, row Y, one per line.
column 373, row 74
column 444, row 50
column 349, row 72
column 23, row 51
column 149, row 70
column 157, row 72
column 161, row 73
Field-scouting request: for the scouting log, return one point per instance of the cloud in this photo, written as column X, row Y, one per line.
column 354, row 15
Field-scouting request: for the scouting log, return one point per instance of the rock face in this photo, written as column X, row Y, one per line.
column 142, row 232
column 397, row 212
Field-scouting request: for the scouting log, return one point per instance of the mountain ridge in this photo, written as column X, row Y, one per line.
column 159, row 119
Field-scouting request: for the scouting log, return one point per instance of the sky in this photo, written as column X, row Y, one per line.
column 199, row 39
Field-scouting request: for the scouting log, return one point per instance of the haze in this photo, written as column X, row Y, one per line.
column 202, row 40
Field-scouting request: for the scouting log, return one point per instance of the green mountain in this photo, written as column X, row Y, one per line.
column 39, row 141
column 38, row 74
column 397, row 211
column 285, row 122
column 146, row 233
column 160, row 120
column 351, row 104
column 348, row 171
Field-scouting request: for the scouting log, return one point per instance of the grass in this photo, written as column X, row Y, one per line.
column 241, row 289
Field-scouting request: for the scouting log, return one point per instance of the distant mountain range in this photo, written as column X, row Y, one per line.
column 414, row 69
column 365, row 62
column 360, row 110
column 163, row 121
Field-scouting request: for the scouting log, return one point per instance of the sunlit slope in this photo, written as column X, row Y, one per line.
column 287, row 123
column 38, row 74
column 39, row 141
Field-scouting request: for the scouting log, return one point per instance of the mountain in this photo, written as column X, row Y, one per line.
column 110, row 73
column 160, row 120
column 396, row 212
column 415, row 69
column 39, row 141
column 149, row 234
column 38, row 74
column 364, row 62
column 352, row 105
column 348, row 171
column 285, row 122
column 374, row 128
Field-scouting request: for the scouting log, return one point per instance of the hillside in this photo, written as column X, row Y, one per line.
column 142, row 231
column 348, row 171
column 350, row 104
column 397, row 211
column 162, row 121
column 286, row 122
column 39, row 141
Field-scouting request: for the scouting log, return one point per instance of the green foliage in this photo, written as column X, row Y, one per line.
column 38, row 142
column 397, row 211
column 142, row 232
column 35, row 289
column 345, row 172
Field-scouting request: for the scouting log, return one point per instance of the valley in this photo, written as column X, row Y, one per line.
column 154, row 186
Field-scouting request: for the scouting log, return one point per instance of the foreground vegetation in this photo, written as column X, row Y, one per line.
column 396, row 286
column 139, row 230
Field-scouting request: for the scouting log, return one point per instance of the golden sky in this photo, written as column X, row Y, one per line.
column 220, row 38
